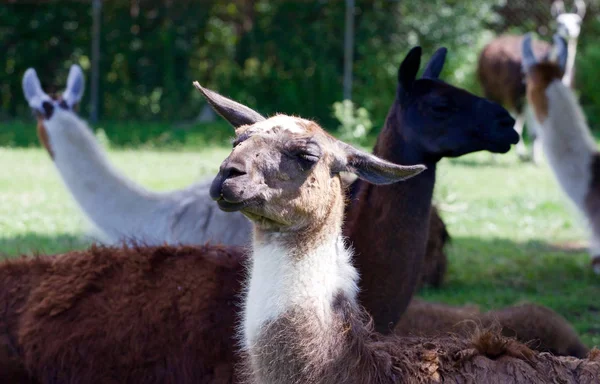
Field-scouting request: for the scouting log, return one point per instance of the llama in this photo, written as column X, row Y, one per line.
column 169, row 312
column 569, row 146
column 541, row 327
column 301, row 321
column 428, row 120
column 122, row 209
column 500, row 75
column 117, row 206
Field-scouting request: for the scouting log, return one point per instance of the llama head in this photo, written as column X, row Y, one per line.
column 540, row 74
column 441, row 120
column 48, row 108
column 569, row 23
column 283, row 172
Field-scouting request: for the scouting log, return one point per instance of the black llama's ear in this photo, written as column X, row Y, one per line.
column 373, row 169
column 235, row 113
column 436, row 64
column 407, row 73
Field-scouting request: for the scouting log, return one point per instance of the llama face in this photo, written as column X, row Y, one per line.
column 444, row 121
column 569, row 25
column 48, row 108
column 283, row 172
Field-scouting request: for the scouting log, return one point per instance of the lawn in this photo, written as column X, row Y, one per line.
column 514, row 237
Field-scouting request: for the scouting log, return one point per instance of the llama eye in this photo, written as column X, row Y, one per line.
column 307, row 160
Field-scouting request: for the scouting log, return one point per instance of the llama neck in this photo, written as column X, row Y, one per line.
column 390, row 264
column 288, row 278
column 569, row 75
column 109, row 199
column 568, row 144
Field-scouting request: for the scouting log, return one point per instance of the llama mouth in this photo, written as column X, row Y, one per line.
column 228, row 206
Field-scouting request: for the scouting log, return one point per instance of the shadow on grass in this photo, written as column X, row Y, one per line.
column 494, row 273
column 34, row 243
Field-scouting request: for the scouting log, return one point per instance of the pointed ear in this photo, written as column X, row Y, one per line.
column 407, row 73
column 235, row 113
column 436, row 64
column 32, row 89
column 373, row 169
column 559, row 52
column 75, row 86
column 527, row 54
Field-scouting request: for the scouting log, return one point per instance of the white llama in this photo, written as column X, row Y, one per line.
column 568, row 144
column 121, row 209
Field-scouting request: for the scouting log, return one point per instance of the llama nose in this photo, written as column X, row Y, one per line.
column 227, row 172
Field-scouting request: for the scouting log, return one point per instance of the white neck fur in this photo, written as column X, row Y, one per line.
column 569, row 147
column 568, row 144
column 572, row 51
column 107, row 197
column 280, row 281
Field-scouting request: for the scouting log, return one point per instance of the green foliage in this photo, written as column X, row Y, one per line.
column 355, row 122
column 274, row 56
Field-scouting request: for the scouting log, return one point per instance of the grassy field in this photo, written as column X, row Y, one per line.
column 514, row 236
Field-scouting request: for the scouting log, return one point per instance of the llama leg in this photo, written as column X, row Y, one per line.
column 521, row 148
column 533, row 129
column 595, row 254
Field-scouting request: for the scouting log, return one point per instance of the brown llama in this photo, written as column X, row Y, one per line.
column 500, row 74
column 435, row 262
column 540, row 327
column 302, row 322
column 160, row 314
column 388, row 225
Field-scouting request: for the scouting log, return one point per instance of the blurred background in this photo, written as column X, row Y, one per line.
column 276, row 56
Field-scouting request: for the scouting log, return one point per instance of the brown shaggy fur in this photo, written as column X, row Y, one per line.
column 154, row 315
column 116, row 315
column 350, row 352
column 540, row 327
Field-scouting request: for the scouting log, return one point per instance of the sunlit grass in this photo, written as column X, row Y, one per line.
column 514, row 237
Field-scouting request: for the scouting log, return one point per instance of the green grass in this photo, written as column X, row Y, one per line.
column 514, row 236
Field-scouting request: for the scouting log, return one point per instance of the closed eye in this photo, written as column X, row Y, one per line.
column 241, row 138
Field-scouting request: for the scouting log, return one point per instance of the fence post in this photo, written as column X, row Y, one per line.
column 96, row 22
column 348, row 49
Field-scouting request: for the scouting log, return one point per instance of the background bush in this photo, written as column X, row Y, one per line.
column 275, row 56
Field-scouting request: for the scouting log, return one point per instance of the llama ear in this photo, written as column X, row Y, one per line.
column 529, row 59
column 32, row 89
column 235, row 113
column 559, row 52
column 407, row 73
column 75, row 86
column 558, row 8
column 436, row 64
column 373, row 169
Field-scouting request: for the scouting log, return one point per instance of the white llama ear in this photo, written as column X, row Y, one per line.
column 373, row 169
column 527, row 54
column 558, row 8
column 559, row 52
column 232, row 111
column 34, row 94
column 75, row 86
